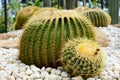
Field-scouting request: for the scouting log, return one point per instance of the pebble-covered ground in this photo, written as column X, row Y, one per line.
column 11, row 67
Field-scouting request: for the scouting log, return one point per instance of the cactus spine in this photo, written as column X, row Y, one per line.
column 45, row 34
column 82, row 57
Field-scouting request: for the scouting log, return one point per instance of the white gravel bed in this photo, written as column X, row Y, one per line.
column 11, row 68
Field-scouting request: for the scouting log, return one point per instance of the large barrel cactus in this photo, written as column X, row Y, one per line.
column 23, row 16
column 98, row 17
column 46, row 33
column 82, row 57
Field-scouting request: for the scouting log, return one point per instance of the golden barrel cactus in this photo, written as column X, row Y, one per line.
column 46, row 33
column 97, row 16
column 82, row 57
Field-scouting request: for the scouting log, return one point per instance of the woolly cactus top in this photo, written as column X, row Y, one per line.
column 58, row 14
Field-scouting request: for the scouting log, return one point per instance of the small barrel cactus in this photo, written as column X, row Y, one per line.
column 98, row 17
column 23, row 16
column 82, row 57
column 46, row 33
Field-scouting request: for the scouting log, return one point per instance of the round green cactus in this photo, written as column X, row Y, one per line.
column 23, row 16
column 98, row 17
column 46, row 33
column 82, row 57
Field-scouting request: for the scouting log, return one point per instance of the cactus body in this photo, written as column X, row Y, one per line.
column 82, row 57
column 98, row 17
column 23, row 16
column 45, row 34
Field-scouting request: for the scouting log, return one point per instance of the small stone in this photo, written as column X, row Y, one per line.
column 103, row 77
column 35, row 75
column 3, row 72
column 90, row 79
column 66, row 79
column 109, row 78
column 42, row 69
column 116, row 74
column 29, row 72
column 18, row 79
column 64, row 74
column 9, row 78
column 38, row 79
column 53, row 77
column 77, row 78
column 49, row 69
column 17, row 75
column 27, row 78
column 98, row 79
column 53, row 71
column 44, row 74
column 110, row 73
column 58, row 72
column 60, row 68
column 34, row 68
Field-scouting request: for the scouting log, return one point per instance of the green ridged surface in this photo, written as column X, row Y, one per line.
column 77, row 63
column 98, row 17
column 45, row 35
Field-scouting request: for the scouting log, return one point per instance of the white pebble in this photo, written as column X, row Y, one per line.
column 38, row 79
column 90, row 79
column 58, row 72
column 29, row 72
column 53, row 77
column 77, row 78
column 44, row 74
column 35, row 75
column 66, row 79
column 27, row 78
column 9, row 78
column 34, row 68
column 18, row 79
column 42, row 69
column 116, row 74
column 64, row 74
column 18, row 75
column 60, row 68
column 53, row 71
column 49, row 69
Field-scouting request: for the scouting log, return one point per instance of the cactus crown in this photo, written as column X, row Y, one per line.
column 82, row 57
column 46, row 33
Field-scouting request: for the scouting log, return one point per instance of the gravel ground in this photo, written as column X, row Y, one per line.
column 11, row 67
